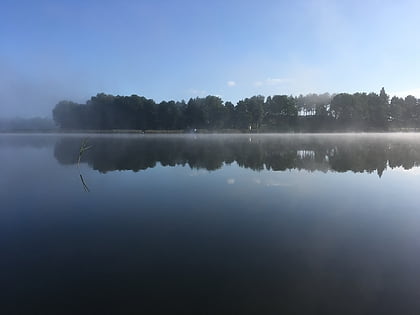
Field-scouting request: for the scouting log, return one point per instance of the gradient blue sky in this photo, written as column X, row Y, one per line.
column 54, row 50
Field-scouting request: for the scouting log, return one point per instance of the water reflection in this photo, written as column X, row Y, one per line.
column 227, row 242
column 339, row 153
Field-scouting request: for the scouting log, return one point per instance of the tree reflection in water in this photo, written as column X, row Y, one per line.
column 339, row 153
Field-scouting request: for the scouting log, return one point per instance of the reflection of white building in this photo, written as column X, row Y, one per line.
column 306, row 154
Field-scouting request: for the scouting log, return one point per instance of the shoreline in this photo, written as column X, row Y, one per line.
column 204, row 131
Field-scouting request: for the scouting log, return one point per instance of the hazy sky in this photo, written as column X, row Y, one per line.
column 54, row 50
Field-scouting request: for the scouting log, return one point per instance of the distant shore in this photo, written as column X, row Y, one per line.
column 200, row 131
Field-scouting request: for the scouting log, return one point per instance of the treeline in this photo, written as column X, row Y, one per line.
column 27, row 124
column 313, row 112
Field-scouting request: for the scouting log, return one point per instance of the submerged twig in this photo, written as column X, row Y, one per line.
column 86, row 188
column 83, row 147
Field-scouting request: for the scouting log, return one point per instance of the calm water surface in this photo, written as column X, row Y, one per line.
column 196, row 224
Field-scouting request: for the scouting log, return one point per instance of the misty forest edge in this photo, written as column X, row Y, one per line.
column 278, row 113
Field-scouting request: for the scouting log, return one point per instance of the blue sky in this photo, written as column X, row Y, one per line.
column 54, row 50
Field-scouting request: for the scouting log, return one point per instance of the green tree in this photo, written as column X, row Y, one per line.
column 396, row 111
column 282, row 111
column 410, row 110
column 68, row 115
column 342, row 107
column 251, row 111
column 377, row 110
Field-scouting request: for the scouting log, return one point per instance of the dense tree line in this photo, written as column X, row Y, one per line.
column 313, row 112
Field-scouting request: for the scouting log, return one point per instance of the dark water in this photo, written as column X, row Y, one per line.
column 210, row 224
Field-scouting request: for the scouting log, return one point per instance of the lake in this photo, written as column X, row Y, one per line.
column 210, row 224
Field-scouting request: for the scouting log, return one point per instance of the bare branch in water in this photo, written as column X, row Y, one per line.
column 86, row 188
column 83, row 147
